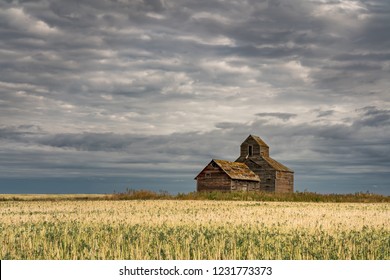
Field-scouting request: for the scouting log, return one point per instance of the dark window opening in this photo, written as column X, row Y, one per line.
column 208, row 175
column 250, row 150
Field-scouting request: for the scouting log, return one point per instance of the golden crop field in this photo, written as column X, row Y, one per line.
column 175, row 229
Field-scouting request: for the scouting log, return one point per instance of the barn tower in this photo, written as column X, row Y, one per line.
column 275, row 177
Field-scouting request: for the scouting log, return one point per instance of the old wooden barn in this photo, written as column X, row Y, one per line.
column 226, row 176
column 253, row 170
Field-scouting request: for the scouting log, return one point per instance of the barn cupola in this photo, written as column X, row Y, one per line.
column 254, row 146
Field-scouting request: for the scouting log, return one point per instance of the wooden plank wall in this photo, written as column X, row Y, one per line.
column 265, row 172
column 216, row 180
column 284, row 182
column 257, row 150
column 241, row 185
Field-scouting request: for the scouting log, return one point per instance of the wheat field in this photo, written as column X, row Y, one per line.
column 187, row 230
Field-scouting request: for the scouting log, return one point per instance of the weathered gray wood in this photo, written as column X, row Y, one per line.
column 258, row 147
column 213, row 178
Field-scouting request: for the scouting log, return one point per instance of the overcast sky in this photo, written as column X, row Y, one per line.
column 97, row 96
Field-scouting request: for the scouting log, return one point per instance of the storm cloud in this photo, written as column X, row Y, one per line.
column 147, row 92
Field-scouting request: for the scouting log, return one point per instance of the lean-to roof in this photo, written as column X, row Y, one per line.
column 274, row 164
column 237, row 170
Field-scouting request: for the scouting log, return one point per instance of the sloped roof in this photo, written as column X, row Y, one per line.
column 275, row 164
column 259, row 140
column 237, row 170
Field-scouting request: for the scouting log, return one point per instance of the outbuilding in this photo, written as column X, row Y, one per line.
column 223, row 175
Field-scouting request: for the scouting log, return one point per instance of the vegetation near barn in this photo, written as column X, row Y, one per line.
column 252, row 196
column 192, row 229
column 131, row 194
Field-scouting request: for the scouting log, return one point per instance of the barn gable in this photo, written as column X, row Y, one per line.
column 254, row 146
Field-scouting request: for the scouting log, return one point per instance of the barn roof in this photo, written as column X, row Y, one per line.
column 274, row 164
column 259, row 140
column 237, row 170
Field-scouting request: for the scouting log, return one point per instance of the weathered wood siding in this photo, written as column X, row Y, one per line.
column 266, row 173
column 241, row 185
column 257, row 150
column 213, row 179
column 271, row 180
column 284, row 182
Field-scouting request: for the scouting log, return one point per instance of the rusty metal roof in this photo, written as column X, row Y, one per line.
column 237, row 170
column 274, row 164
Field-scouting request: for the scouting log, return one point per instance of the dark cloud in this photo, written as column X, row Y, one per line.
column 374, row 117
column 282, row 116
column 325, row 113
column 126, row 88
